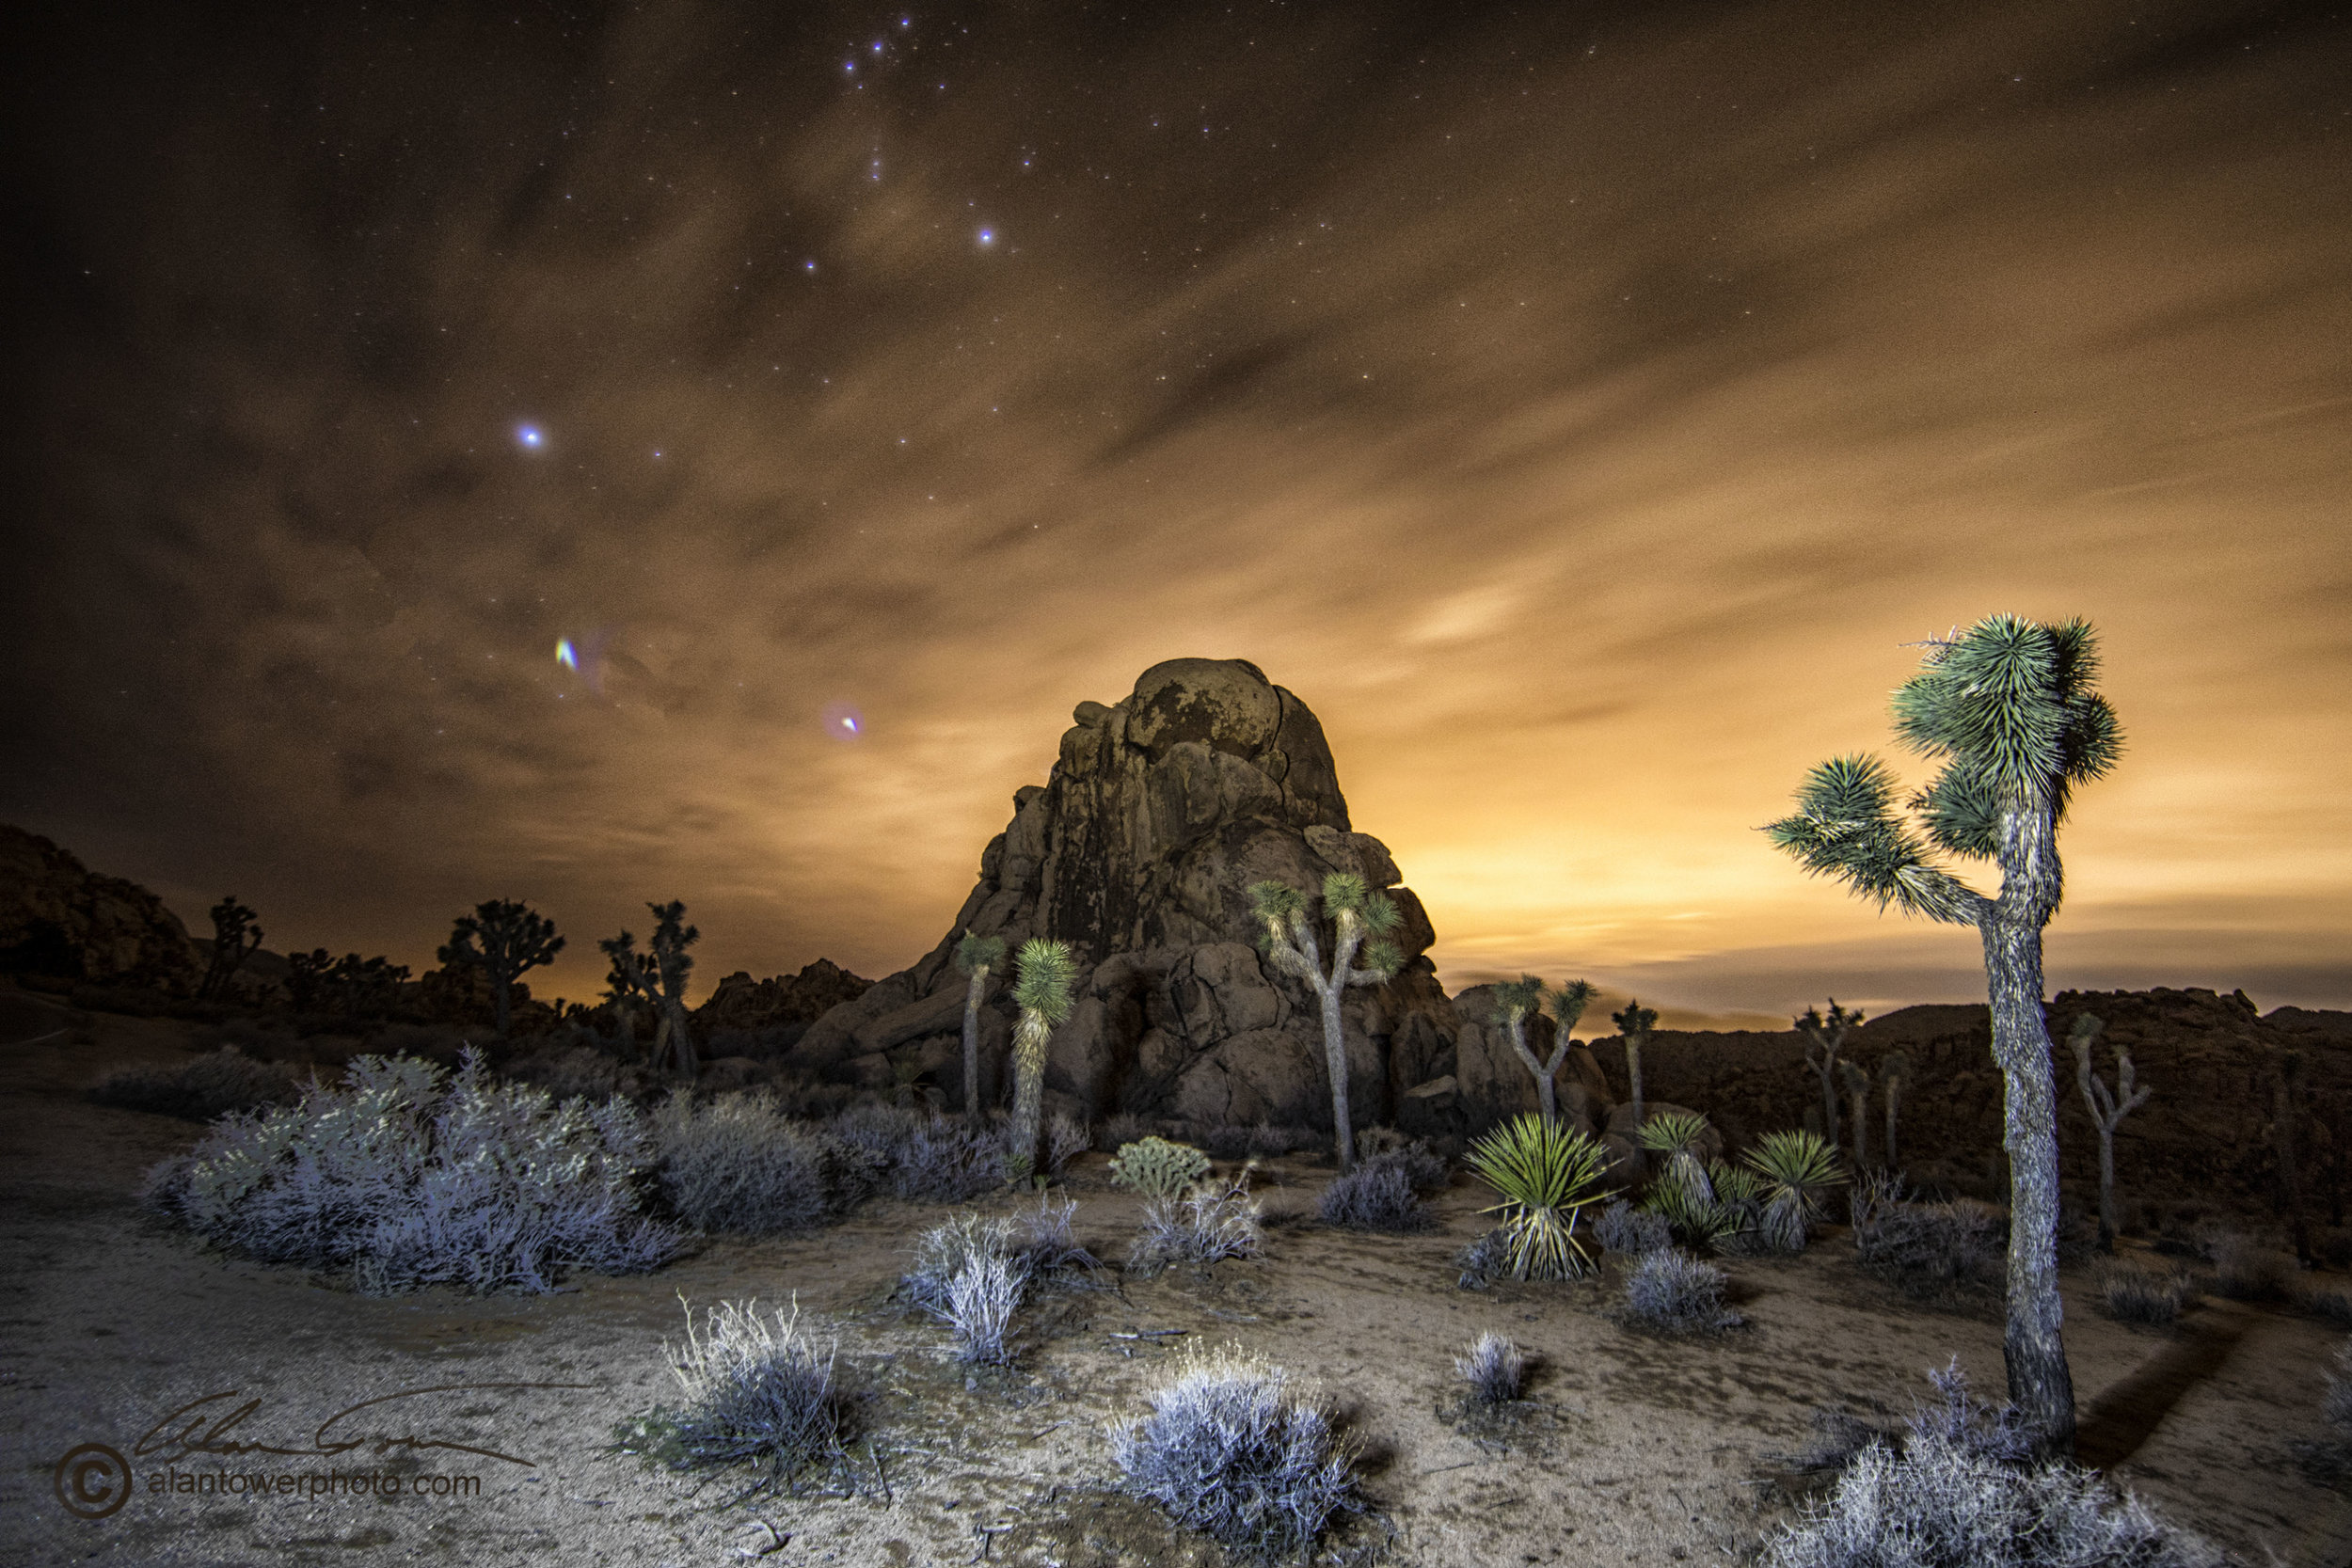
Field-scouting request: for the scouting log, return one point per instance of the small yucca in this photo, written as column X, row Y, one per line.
column 1546, row 1175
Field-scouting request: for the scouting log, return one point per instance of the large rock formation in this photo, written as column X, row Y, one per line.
column 61, row 920
column 1138, row 850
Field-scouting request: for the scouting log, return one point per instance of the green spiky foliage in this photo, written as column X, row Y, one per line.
column 1546, row 1175
column 503, row 938
column 235, row 939
column 1674, row 1132
column 1158, row 1168
column 977, row 958
column 1695, row 1215
column 656, row 978
column 1894, row 1073
column 2107, row 1110
column 2008, row 708
column 1856, row 1080
column 1518, row 999
column 1634, row 1022
column 1797, row 1167
column 1361, row 920
column 1824, row 1038
column 1736, row 1183
column 1047, row 978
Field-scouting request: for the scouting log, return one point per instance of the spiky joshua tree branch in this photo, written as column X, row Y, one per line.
column 235, row 938
column 2008, row 708
column 1360, row 919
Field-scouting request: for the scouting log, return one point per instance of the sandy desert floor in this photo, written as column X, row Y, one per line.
column 1630, row 1450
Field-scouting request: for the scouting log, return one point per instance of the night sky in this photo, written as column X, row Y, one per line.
column 601, row 455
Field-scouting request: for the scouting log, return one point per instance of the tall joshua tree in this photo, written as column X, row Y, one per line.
column 1515, row 1000
column 1048, row 972
column 1824, row 1038
column 1634, row 1022
column 1894, row 1072
column 976, row 957
column 2009, row 707
column 2107, row 1111
column 504, row 940
column 658, row 975
column 235, row 938
column 1291, row 940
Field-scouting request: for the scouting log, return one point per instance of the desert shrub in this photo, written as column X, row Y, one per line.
column 757, row 1396
column 1623, row 1228
column 981, row 1302
column 1927, row 1248
column 2246, row 1271
column 211, row 1085
column 1119, row 1131
column 1231, row 1450
column 1957, row 1492
column 1046, row 1245
column 734, row 1163
column 1546, row 1175
column 1227, row 1140
column 1211, row 1221
column 577, row 1071
column 1267, row 1141
column 1673, row 1292
column 1377, row 1196
column 1495, row 1368
column 1158, row 1168
column 1419, row 1165
column 2334, row 1307
column 1066, row 1138
column 943, row 1252
column 1485, row 1259
column 2136, row 1295
column 409, row 1175
column 941, row 1160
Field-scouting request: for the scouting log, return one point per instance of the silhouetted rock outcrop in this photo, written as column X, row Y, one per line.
column 743, row 1003
column 1138, row 850
column 61, row 920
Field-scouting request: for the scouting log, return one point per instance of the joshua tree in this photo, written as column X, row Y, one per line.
column 502, row 939
column 658, row 975
column 1289, row 938
column 1824, row 1038
column 1894, row 1072
column 1048, row 971
column 1634, row 1024
column 2009, row 703
column 2107, row 1111
column 976, row 957
column 1518, row 998
column 1857, row 1082
column 234, row 937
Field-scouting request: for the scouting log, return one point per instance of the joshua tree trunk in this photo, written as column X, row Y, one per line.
column 501, row 1002
column 1028, row 1094
column 2108, row 1112
column 1634, row 1078
column 972, row 1111
column 1335, row 1058
column 1894, row 1091
column 1858, row 1098
column 2034, row 1348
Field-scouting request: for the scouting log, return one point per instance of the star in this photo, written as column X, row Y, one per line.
column 530, row 436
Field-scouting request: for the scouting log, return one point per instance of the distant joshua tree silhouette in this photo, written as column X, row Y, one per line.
column 658, row 977
column 1634, row 1024
column 504, row 940
column 2010, row 705
column 1515, row 1000
column 235, row 938
column 1289, row 938
column 977, row 956
column 2107, row 1111
column 1824, row 1038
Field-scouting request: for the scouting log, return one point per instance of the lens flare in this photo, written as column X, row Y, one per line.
column 530, row 436
column 844, row 722
column 565, row 654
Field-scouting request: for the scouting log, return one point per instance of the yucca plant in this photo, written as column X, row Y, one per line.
column 1798, row 1168
column 1514, row 1001
column 977, row 958
column 1049, row 971
column 1360, row 917
column 1691, row 1211
column 1546, row 1175
column 2008, row 705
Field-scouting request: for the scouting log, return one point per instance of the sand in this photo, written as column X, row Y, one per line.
column 1629, row 1449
